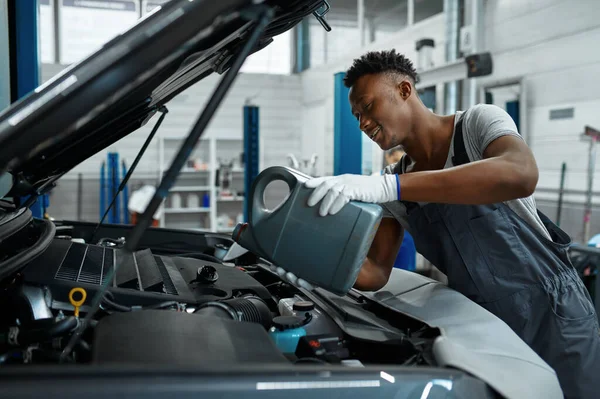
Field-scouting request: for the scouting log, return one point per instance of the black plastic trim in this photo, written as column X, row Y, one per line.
column 13, row 264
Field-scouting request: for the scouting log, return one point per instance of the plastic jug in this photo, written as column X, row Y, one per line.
column 325, row 251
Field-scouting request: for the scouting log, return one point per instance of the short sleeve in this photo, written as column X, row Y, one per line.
column 486, row 123
column 395, row 168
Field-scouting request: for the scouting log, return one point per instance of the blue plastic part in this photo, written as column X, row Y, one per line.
column 287, row 340
column 251, row 150
column 347, row 150
column 407, row 256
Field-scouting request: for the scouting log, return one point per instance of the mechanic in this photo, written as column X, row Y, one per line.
column 464, row 192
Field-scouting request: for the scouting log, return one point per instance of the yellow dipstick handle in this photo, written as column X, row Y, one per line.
column 80, row 293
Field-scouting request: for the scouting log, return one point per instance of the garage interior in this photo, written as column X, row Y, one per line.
column 288, row 107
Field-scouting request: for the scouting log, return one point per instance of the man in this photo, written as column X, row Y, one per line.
column 464, row 192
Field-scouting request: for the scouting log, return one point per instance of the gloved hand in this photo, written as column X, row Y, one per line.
column 337, row 191
column 291, row 278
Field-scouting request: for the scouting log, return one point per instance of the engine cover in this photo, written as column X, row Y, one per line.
column 167, row 337
column 141, row 278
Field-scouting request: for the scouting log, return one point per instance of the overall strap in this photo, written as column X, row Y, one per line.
column 460, row 152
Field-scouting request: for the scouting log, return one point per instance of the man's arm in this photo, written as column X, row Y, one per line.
column 507, row 171
column 378, row 265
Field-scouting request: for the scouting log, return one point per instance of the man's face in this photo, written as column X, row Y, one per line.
column 379, row 104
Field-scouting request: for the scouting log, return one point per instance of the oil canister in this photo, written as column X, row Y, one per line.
column 325, row 251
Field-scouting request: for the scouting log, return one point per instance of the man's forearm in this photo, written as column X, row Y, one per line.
column 371, row 277
column 482, row 182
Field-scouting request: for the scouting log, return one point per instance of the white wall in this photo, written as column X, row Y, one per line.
column 318, row 86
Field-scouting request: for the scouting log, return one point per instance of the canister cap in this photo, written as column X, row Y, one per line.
column 303, row 306
column 288, row 322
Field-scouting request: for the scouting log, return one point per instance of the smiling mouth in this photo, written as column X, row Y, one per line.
column 377, row 130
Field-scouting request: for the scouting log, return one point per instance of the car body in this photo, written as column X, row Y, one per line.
column 167, row 316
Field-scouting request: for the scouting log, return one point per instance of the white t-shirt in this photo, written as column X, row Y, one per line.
column 482, row 124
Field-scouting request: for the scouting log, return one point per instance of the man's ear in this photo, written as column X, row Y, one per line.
column 405, row 89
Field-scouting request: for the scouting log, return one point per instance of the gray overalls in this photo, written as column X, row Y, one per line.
column 498, row 260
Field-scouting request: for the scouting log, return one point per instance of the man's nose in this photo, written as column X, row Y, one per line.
column 364, row 123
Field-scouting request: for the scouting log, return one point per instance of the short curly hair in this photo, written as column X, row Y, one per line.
column 375, row 62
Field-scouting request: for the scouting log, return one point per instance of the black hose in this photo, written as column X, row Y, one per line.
column 58, row 329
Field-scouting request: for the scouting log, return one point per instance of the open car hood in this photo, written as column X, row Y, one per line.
column 96, row 102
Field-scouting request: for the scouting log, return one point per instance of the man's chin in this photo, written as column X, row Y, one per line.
column 385, row 146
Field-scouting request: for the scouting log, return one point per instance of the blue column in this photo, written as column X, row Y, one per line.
column 113, row 184
column 251, row 151
column 23, row 21
column 302, row 35
column 26, row 43
column 347, row 150
column 512, row 108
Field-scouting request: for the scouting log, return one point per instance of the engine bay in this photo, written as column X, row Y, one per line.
column 174, row 301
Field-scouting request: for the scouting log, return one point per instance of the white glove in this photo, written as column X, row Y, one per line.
column 291, row 278
column 337, row 191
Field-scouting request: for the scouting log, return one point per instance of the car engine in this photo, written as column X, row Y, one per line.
column 176, row 302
